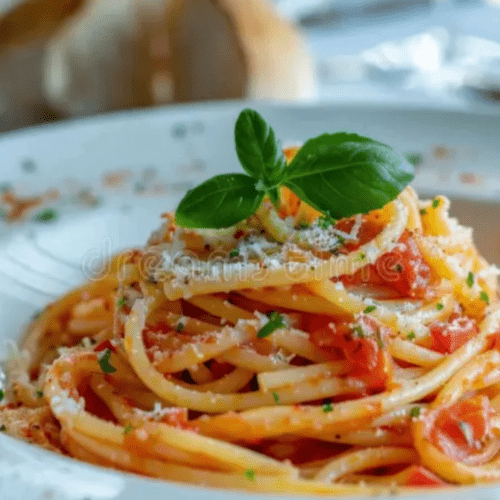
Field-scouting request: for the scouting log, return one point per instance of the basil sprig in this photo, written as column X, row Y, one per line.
column 338, row 174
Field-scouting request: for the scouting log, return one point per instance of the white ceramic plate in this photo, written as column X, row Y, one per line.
column 103, row 183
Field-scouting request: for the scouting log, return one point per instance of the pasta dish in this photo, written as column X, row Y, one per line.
column 291, row 351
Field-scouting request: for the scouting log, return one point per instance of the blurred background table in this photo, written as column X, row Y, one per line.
column 361, row 51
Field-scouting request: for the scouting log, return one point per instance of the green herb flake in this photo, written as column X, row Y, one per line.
column 2, row 394
column 435, row 202
column 234, row 253
column 327, row 407
column 128, row 429
column 359, row 332
column 439, row 306
column 415, row 412
column 3, row 428
column 250, row 474
column 179, row 327
column 276, row 397
column 361, row 256
column 121, row 302
column 411, row 336
column 484, row 297
column 369, row 309
column 423, row 211
column 39, row 394
column 398, row 268
column 470, row 280
column 46, row 215
column 304, row 225
column 325, row 222
column 275, row 322
column 104, row 357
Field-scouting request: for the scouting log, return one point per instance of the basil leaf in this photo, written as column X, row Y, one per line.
column 222, row 201
column 258, row 150
column 345, row 174
column 103, row 358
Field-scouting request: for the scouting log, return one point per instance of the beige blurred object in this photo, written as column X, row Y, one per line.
column 25, row 27
column 101, row 55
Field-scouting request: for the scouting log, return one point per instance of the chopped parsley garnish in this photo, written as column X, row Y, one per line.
column 359, row 332
column 121, row 302
column 2, row 394
column 39, row 394
column 398, row 268
column 325, row 222
column 361, row 257
column 369, row 309
column 275, row 322
column 423, row 211
column 439, row 306
column 470, row 280
column 415, row 412
column 250, row 474
column 322, row 162
column 304, row 225
column 327, row 407
column 103, row 358
column 435, row 203
column 46, row 215
column 484, row 297
column 179, row 327
column 276, row 397
column 411, row 335
column 234, row 253
column 128, row 429
column 3, row 428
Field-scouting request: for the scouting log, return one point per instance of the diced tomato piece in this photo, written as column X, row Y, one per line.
column 460, row 430
column 371, row 226
column 403, row 269
column 420, row 476
column 361, row 343
column 105, row 344
column 495, row 340
column 448, row 337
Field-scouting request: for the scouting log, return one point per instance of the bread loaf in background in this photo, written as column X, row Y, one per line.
column 102, row 55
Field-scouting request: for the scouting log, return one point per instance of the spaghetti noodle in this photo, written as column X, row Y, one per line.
column 282, row 354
